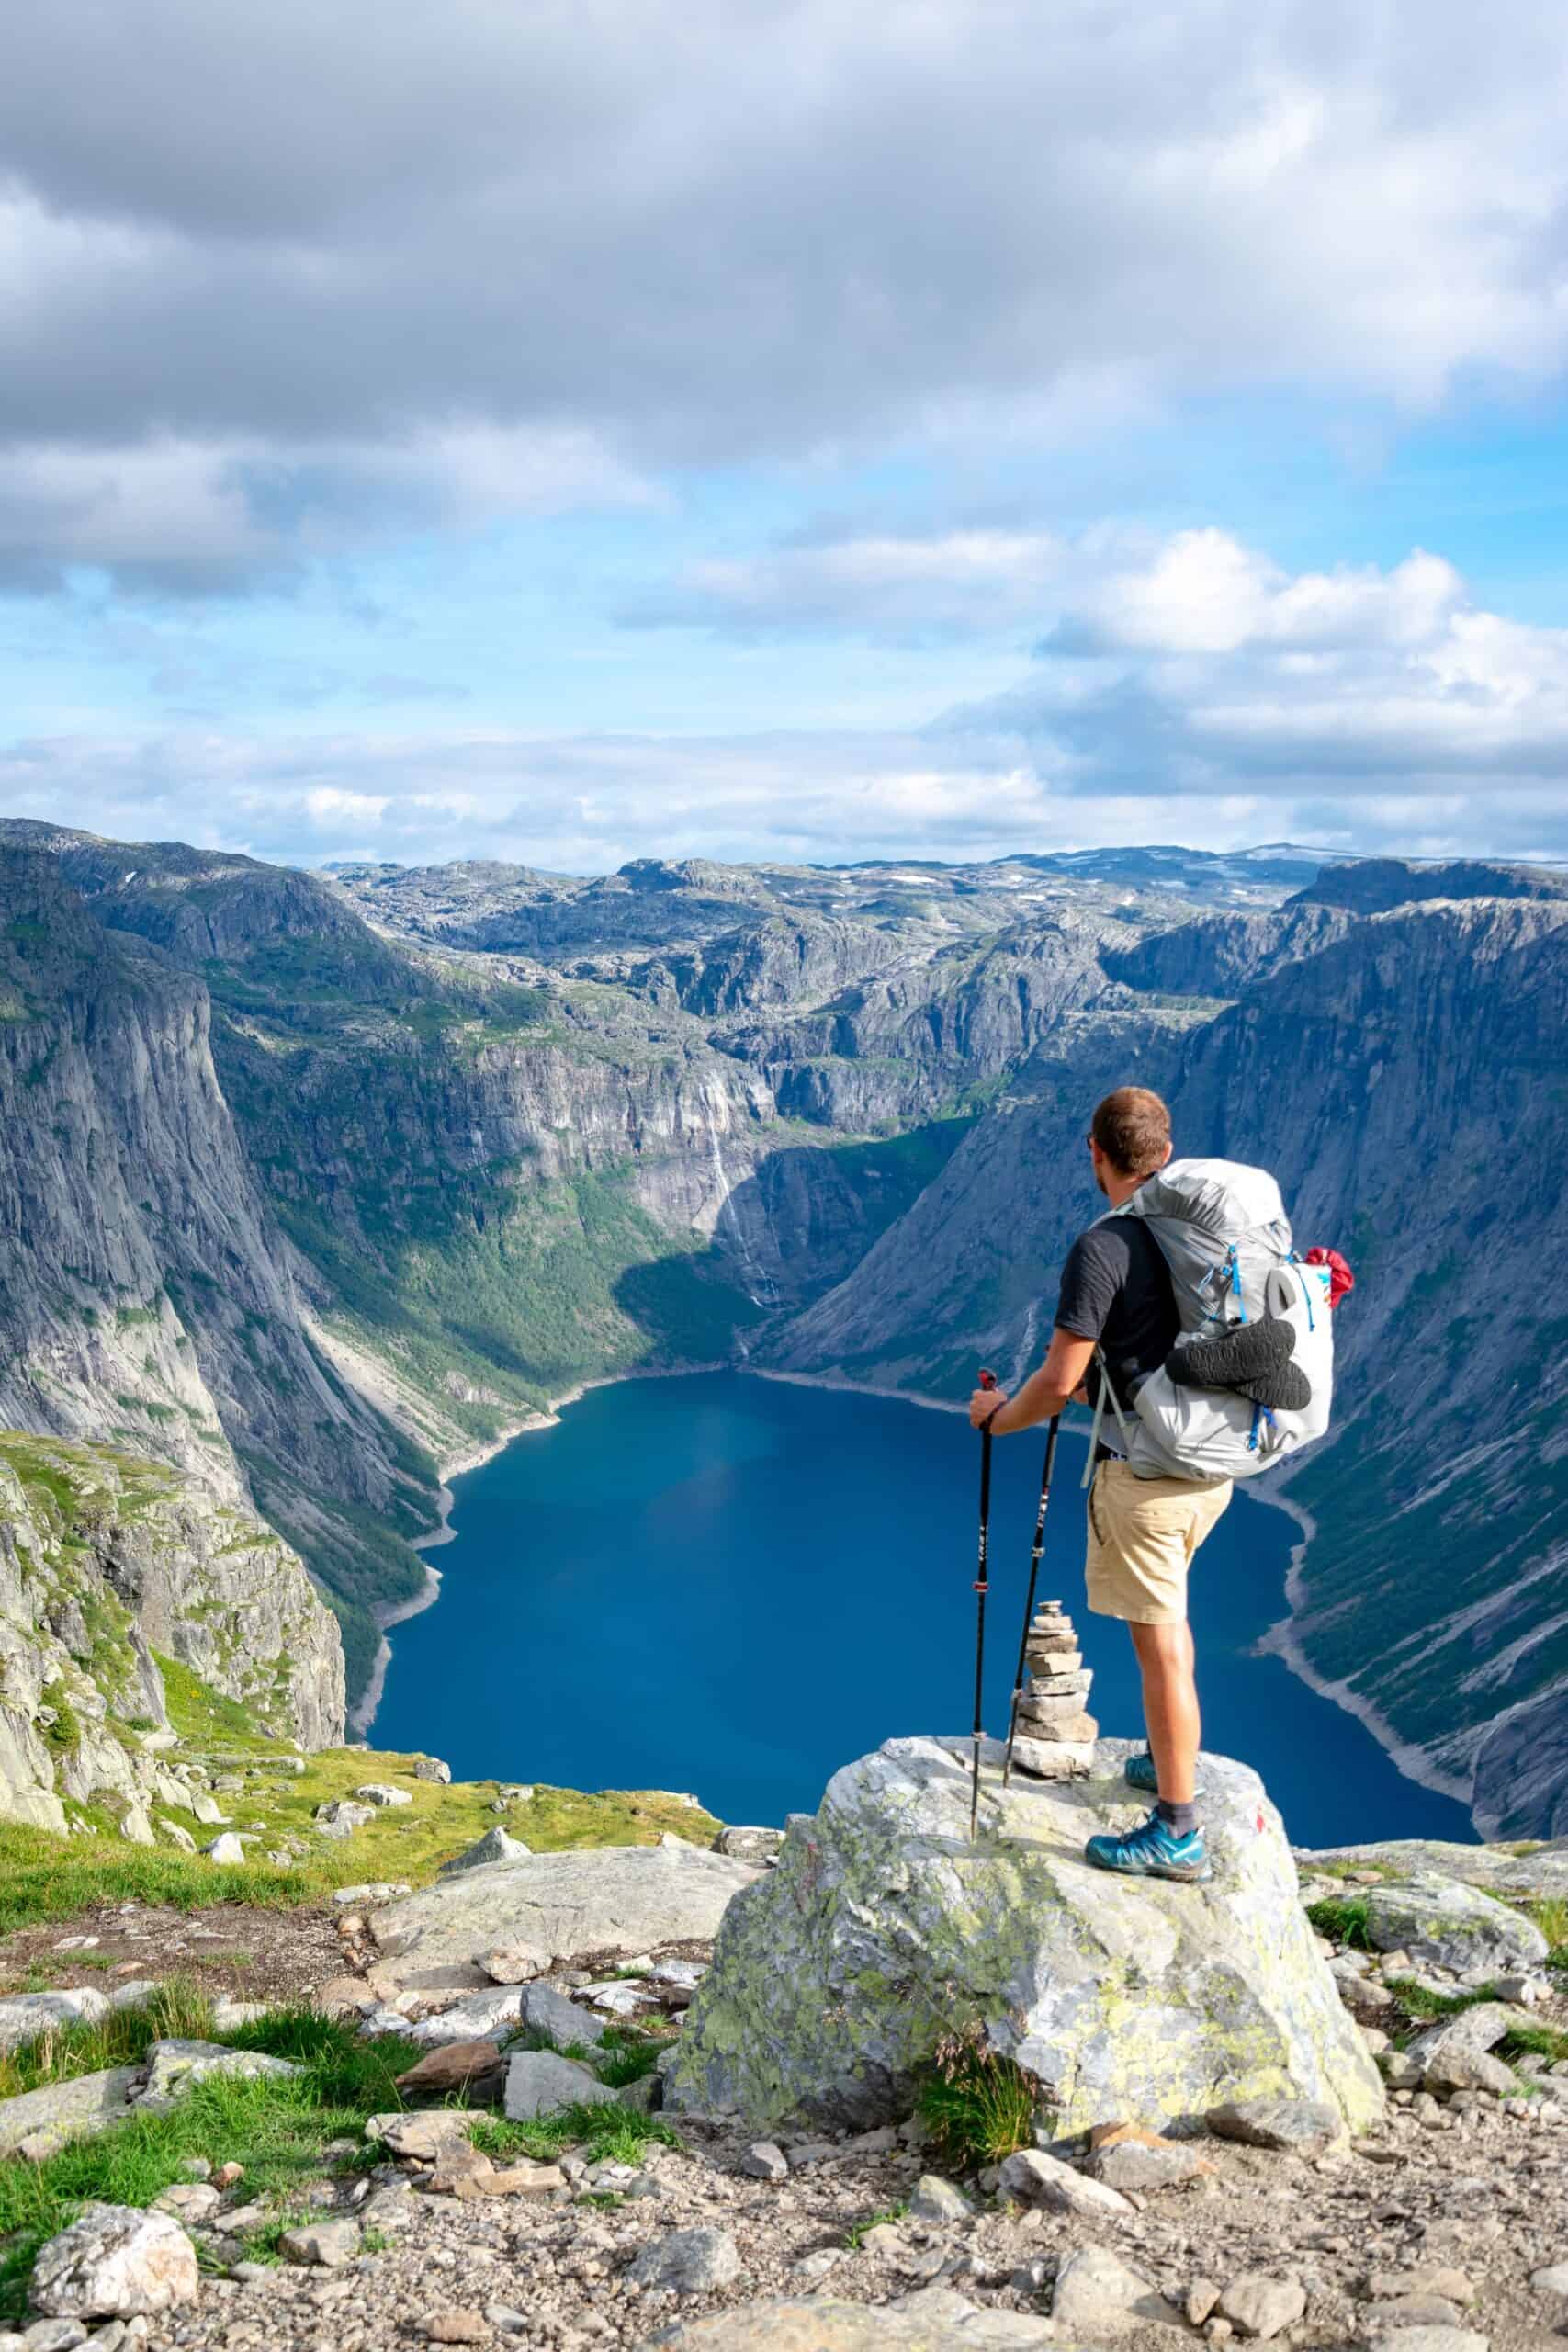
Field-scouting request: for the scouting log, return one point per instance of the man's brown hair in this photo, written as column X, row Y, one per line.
column 1131, row 1127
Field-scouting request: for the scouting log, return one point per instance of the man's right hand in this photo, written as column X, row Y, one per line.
column 982, row 1404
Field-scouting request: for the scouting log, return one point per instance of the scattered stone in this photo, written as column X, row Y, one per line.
column 528, row 2179
column 61, row 2336
column 545, row 2011
column 1138, row 2167
column 489, row 2016
column 935, row 2200
column 25, row 2016
column 1467, row 2070
column 457, row 2327
column 1202, row 2298
column 1422, row 2278
column 538, row 2083
column 1303, row 2126
column 77, row 1943
column 1098, row 2294
column 763, row 2161
column 225, row 1849
column 687, row 2262
column 173, row 2066
column 431, row 1768
column 513, row 1965
column 625, row 1998
column 424, row 2135
column 189, row 2201
column 373, row 1891
column 228, row 2176
column 1035, row 2178
column 1432, row 2339
column 495, row 1846
column 340, row 1816
column 229, row 2014
column 476, row 2068
column 115, row 2262
column 381, row 1792
column 327, row 2245
column 1416, row 2311
column 1443, row 1921
column 749, row 1845
column 1257, row 2304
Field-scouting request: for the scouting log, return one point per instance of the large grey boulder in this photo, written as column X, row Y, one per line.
column 115, row 2262
column 883, row 1928
column 1449, row 1924
column 620, row 1899
column 40, row 2121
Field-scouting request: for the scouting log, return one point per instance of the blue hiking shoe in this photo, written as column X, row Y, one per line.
column 1152, row 1850
column 1140, row 1772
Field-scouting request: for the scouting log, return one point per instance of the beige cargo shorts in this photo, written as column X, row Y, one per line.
column 1142, row 1535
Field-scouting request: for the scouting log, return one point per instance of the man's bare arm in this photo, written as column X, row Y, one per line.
column 1042, row 1394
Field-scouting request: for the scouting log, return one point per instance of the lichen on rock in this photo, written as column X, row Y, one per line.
column 883, row 1928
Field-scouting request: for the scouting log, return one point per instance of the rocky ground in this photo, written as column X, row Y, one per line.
column 557, row 2213
column 257, row 1955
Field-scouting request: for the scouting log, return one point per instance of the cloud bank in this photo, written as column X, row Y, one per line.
column 1185, row 688
column 299, row 258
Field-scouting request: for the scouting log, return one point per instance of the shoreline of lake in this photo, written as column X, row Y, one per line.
column 762, row 1530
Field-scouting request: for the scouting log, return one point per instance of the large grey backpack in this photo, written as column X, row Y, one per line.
column 1222, row 1231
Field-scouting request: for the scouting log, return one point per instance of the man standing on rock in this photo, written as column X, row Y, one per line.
column 1116, row 1297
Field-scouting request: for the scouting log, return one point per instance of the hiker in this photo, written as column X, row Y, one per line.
column 1117, row 1299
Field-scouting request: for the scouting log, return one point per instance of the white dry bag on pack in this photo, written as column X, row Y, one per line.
column 1222, row 1231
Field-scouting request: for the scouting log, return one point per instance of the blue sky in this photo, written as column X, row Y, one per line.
column 786, row 428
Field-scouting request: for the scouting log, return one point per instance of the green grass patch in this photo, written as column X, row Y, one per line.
column 276, row 2129
column 1343, row 1919
column 44, row 1877
column 121, row 2038
column 976, row 2105
column 1533, row 2041
column 600, row 2135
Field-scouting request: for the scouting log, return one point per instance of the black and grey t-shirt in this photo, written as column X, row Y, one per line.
column 1116, row 1289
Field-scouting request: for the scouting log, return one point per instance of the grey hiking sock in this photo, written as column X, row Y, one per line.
column 1181, row 1820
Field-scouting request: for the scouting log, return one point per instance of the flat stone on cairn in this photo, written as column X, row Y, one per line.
column 1055, row 1733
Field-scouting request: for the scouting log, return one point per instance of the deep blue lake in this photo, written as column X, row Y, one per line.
column 733, row 1586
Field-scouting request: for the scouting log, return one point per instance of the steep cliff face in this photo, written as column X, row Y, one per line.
column 146, row 1295
column 1407, row 1083
column 107, row 1562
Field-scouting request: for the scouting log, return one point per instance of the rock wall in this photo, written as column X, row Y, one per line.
column 105, row 1563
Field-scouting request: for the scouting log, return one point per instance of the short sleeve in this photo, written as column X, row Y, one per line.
column 1092, row 1274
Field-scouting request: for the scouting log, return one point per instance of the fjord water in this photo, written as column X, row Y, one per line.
column 732, row 1585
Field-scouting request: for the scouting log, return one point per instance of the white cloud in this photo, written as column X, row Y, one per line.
column 695, row 233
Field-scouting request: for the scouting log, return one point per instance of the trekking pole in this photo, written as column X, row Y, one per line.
column 1035, row 1558
column 988, row 1380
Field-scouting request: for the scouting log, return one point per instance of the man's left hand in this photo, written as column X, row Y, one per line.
column 982, row 1404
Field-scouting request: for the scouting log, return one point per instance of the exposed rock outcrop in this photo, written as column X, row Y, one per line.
column 106, row 1561
column 883, row 1930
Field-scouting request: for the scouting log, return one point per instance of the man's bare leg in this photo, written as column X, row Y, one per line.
column 1166, row 1659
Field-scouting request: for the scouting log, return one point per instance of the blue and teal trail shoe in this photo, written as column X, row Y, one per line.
column 1152, row 1850
column 1140, row 1772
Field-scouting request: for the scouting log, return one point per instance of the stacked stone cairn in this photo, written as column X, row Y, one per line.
column 1056, row 1732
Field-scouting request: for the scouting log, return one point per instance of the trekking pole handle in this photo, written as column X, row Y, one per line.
column 988, row 1380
